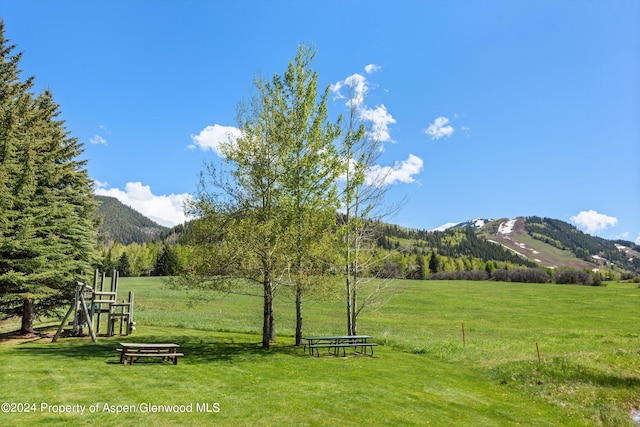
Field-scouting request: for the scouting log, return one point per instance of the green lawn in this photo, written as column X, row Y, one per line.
column 588, row 374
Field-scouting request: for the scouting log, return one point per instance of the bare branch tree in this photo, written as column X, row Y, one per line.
column 363, row 208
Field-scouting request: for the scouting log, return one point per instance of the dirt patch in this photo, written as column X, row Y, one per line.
column 15, row 337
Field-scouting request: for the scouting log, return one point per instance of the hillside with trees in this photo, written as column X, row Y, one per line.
column 400, row 252
column 122, row 224
column 596, row 250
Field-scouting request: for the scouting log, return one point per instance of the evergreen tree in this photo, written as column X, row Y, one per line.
column 420, row 272
column 433, row 263
column 48, row 226
column 167, row 263
column 124, row 266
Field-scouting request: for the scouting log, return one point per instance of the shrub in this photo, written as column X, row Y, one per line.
column 577, row 277
column 460, row 275
column 523, row 275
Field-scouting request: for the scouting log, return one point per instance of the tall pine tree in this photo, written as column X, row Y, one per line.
column 48, row 225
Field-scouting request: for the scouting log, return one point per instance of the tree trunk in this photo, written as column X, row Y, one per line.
column 27, row 317
column 298, row 315
column 354, row 296
column 268, row 333
column 348, row 302
column 354, row 305
column 272, row 324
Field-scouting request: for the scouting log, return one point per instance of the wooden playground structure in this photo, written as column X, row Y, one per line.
column 91, row 303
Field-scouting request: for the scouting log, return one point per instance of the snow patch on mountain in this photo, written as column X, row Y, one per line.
column 446, row 226
column 506, row 228
column 476, row 224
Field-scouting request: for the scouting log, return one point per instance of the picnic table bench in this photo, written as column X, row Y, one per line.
column 337, row 342
column 130, row 351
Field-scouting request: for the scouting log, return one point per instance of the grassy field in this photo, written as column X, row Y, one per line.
column 422, row 373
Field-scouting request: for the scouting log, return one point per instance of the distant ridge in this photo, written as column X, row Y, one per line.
column 523, row 241
column 553, row 243
column 125, row 225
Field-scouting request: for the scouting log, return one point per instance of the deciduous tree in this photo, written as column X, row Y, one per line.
column 362, row 204
column 309, row 181
column 262, row 218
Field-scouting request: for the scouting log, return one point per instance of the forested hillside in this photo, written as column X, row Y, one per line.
column 122, row 224
column 533, row 242
column 452, row 243
column 589, row 248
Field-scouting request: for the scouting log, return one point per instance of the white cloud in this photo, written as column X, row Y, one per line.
column 439, row 128
column 100, row 184
column 372, row 68
column 399, row 172
column 593, row 222
column 97, row 140
column 167, row 210
column 336, row 88
column 380, row 120
column 637, row 242
column 357, row 87
column 211, row 137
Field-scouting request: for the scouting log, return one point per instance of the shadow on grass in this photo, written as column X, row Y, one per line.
column 37, row 335
column 197, row 349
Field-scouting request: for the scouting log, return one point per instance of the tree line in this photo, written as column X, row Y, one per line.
column 525, row 275
column 398, row 253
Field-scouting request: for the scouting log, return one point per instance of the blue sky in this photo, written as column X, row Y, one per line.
column 487, row 109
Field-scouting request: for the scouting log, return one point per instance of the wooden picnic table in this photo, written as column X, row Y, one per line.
column 132, row 351
column 337, row 342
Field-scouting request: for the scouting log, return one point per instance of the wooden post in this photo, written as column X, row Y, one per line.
column 130, row 318
column 110, row 320
column 538, row 351
column 64, row 320
column 99, row 289
column 95, row 279
column 114, row 282
column 86, row 313
column 464, row 341
column 92, row 309
column 121, row 314
column 75, row 306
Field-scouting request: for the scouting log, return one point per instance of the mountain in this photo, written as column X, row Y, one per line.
column 553, row 243
column 125, row 225
column 513, row 242
column 476, row 223
column 524, row 241
column 454, row 243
